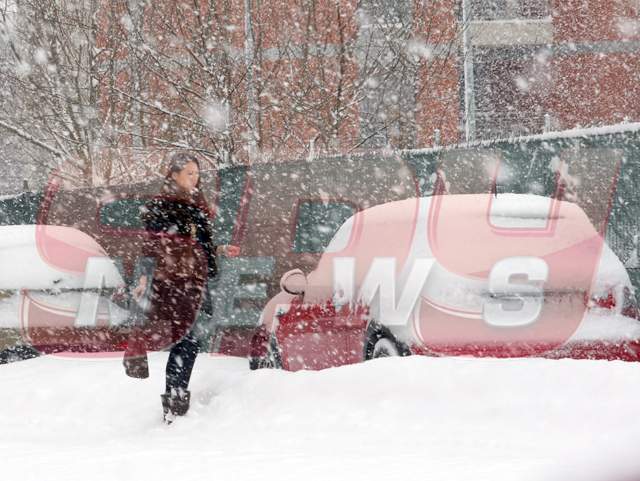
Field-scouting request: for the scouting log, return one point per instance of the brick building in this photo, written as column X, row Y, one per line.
column 348, row 75
column 279, row 79
column 574, row 60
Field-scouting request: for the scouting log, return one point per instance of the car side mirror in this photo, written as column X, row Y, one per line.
column 293, row 282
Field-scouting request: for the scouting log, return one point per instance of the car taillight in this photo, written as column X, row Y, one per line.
column 607, row 302
column 259, row 342
column 629, row 306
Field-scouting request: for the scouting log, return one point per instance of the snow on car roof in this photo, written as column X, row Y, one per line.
column 505, row 211
column 15, row 235
column 25, row 266
column 525, row 206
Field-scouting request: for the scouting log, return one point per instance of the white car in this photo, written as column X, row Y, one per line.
column 56, row 287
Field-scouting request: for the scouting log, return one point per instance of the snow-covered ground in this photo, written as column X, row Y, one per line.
column 398, row 418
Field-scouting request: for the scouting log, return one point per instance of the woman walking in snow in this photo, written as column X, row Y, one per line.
column 183, row 253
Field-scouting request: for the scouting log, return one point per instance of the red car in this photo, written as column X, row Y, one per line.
column 478, row 275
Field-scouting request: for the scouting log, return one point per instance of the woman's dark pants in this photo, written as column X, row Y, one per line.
column 180, row 364
column 175, row 307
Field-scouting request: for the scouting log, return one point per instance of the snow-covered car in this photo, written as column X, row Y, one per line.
column 57, row 287
column 509, row 275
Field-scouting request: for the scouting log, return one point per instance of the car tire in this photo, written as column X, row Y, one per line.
column 271, row 360
column 380, row 342
column 20, row 352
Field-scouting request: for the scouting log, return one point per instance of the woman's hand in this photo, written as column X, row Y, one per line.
column 228, row 250
column 140, row 288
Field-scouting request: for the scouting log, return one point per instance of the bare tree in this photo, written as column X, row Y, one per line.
column 350, row 74
column 60, row 77
column 107, row 87
column 329, row 76
column 186, row 77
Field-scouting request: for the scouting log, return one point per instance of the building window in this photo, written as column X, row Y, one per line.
column 389, row 13
column 386, row 114
column 511, row 85
column 509, row 9
column 387, row 74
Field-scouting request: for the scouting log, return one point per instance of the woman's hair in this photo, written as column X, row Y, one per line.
column 177, row 162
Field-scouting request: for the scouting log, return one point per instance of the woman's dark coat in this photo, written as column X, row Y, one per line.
column 178, row 230
column 180, row 244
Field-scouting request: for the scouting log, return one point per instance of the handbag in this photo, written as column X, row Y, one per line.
column 135, row 359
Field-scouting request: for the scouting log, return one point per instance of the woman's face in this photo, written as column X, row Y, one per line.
column 187, row 178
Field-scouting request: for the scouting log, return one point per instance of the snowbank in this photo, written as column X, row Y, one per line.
column 401, row 418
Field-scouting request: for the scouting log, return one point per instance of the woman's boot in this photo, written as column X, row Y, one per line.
column 137, row 366
column 175, row 404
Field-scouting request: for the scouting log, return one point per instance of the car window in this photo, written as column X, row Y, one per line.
column 317, row 222
column 341, row 239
